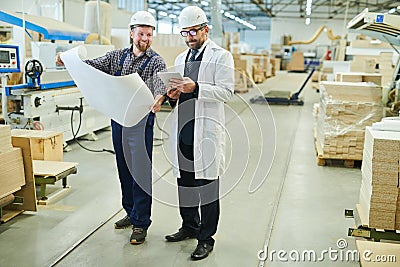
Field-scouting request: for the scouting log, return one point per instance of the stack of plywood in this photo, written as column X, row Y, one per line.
column 379, row 191
column 5, row 138
column 276, row 65
column 375, row 78
column 381, row 64
column 12, row 175
column 258, row 73
column 257, row 66
column 397, row 222
column 242, row 81
column 345, row 110
column 355, row 92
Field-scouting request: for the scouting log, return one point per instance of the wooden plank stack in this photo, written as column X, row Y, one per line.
column 12, row 175
column 375, row 78
column 5, row 138
column 381, row 64
column 379, row 192
column 345, row 110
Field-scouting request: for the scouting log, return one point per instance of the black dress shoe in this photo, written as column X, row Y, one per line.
column 201, row 251
column 182, row 234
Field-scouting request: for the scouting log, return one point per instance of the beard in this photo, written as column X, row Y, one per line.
column 142, row 46
column 197, row 46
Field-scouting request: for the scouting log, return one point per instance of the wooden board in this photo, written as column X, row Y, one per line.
column 389, row 253
column 51, row 168
column 28, row 191
column 12, row 175
column 9, row 214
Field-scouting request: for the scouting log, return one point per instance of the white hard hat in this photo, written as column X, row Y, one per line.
column 142, row 18
column 192, row 16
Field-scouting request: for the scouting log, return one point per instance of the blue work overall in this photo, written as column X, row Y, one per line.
column 133, row 148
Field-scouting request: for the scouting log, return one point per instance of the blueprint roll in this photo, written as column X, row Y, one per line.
column 128, row 107
column 90, row 20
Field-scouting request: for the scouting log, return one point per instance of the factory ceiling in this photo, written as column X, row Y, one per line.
column 259, row 12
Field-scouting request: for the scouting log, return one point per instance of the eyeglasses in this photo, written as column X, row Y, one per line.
column 192, row 32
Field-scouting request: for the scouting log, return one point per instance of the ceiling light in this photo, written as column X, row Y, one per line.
column 162, row 13
column 151, row 10
column 204, row 3
column 172, row 16
column 308, row 21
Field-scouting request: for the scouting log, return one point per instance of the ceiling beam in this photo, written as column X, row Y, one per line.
column 262, row 6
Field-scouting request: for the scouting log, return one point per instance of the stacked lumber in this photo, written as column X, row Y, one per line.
column 242, row 82
column 379, row 192
column 381, row 64
column 375, row 78
column 345, row 110
column 12, row 175
column 5, row 138
column 258, row 73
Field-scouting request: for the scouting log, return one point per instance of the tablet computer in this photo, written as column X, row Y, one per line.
column 166, row 76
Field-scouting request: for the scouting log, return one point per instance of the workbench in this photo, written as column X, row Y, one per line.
column 49, row 172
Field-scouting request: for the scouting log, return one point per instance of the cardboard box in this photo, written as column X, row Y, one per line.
column 45, row 145
column 12, row 175
column 297, row 62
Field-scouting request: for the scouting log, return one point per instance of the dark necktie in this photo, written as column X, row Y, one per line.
column 190, row 63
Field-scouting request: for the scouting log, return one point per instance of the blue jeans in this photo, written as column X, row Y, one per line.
column 133, row 148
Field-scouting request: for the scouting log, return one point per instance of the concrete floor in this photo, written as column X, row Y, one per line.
column 268, row 149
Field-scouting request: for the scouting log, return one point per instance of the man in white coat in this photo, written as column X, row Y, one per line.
column 198, row 132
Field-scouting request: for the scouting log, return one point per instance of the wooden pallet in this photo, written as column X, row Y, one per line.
column 330, row 161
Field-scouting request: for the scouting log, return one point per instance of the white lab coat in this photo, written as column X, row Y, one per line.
column 216, row 85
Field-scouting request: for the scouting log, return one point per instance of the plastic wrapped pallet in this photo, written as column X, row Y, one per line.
column 345, row 110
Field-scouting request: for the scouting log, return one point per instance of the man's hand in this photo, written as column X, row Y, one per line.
column 184, row 86
column 59, row 61
column 173, row 93
column 156, row 107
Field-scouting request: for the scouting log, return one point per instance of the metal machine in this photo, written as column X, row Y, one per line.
column 385, row 27
column 49, row 96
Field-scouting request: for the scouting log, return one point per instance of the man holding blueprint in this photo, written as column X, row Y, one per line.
column 133, row 145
